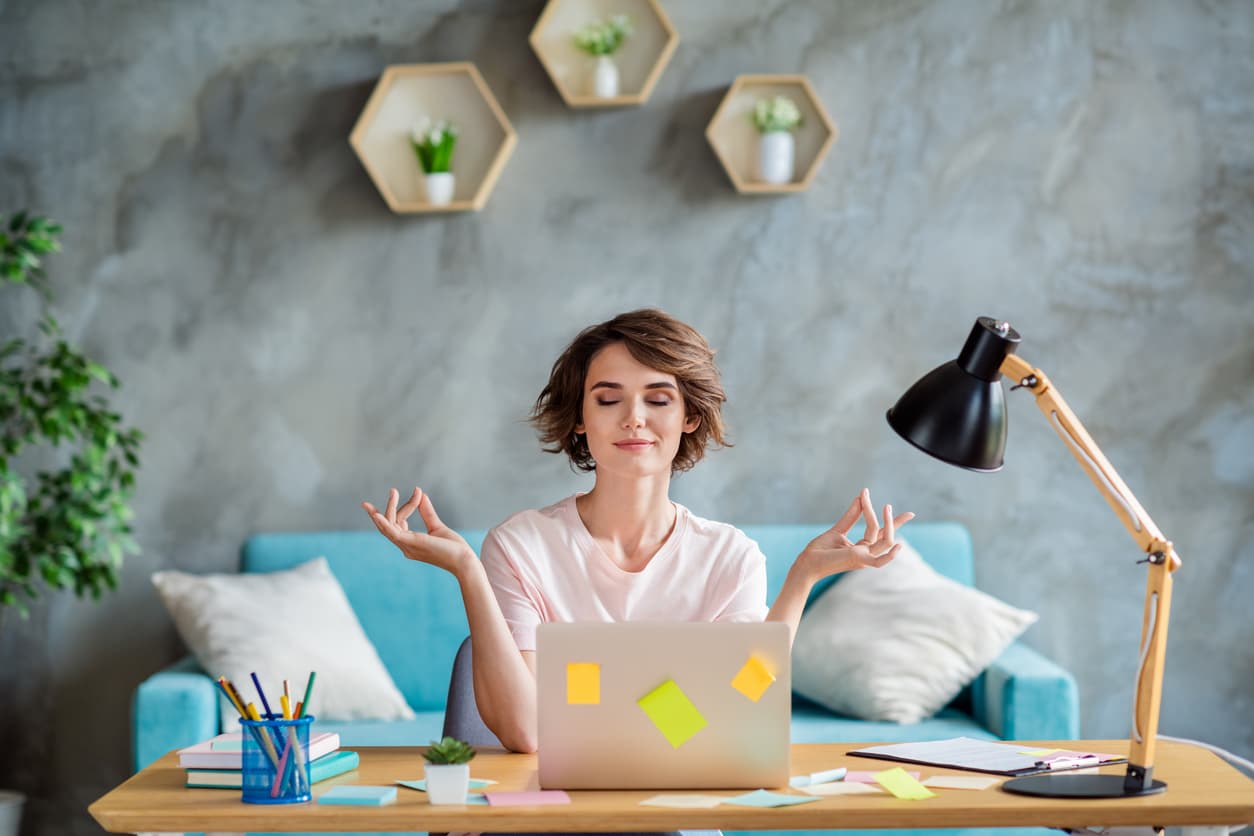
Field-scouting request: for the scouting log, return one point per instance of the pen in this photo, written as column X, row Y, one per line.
column 1069, row 763
column 262, row 694
column 824, row 777
column 304, row 704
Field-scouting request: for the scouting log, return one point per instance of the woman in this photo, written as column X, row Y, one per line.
column 632, row 400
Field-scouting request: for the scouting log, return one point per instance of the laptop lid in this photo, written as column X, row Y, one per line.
column 676, row 705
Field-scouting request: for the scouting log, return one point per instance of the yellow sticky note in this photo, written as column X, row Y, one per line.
column 672, row 712
column 753, row 679
column 1037, row 751
column 899, row 783
column 583, row 683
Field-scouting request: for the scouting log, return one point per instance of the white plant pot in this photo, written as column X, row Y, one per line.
column 775, row 157
column 605, row 78
column 440, row 187
column 10, row 812
column 447, row 783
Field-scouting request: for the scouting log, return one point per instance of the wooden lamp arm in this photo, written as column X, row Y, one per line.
column 1162, row 560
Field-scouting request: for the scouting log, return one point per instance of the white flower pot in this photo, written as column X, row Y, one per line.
column 447, row 783
column 775, row 157
column 605, row 78
column 440, row 187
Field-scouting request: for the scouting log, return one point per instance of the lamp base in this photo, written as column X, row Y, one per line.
column 1078, row 786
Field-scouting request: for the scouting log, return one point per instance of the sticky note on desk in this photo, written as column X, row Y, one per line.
column 583, row 683
column 901, row 784
column 864, row 777
column 753, row 679
column 421, row 784
column 843, row 788
column 765, row 798
column 515, row 799
column 672, row 712
column 360, row 795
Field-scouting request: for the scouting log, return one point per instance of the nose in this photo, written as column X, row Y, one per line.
column 634, row 417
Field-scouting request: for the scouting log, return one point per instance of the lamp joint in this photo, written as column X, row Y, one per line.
column 1155, row 558
column 1029, row 382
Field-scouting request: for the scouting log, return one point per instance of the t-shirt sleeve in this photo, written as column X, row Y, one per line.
column 520, row 608
column 748, row 598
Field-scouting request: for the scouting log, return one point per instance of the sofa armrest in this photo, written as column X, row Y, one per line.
column 173, row 708
column 1025, row 696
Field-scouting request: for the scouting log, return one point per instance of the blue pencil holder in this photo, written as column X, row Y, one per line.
column 276, row 760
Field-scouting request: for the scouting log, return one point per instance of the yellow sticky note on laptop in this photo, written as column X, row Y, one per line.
column 583, row 683
column 672, row 712
column 899, row 783
column 753, row 679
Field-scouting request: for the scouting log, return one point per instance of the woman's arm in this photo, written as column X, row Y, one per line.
column 832, row 552
column 505, row 685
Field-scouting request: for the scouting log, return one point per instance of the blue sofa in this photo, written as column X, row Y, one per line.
column 413, row 614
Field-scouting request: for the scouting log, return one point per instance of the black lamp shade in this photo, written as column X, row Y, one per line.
column 957, row 412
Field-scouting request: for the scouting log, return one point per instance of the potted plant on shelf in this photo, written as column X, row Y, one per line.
column 776, row 118
column 68, row 527
column 433, row 146
column 601, row 40
column 448, row 770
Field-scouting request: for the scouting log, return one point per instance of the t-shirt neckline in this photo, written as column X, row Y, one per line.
column 589, row 542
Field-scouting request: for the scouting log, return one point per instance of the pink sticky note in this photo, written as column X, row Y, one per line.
column 515, row 799
column 869, row 777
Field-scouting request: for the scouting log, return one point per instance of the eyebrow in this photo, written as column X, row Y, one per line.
column 605, row 384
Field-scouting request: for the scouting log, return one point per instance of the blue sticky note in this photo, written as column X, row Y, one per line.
column 763, row 798
column 361, row 795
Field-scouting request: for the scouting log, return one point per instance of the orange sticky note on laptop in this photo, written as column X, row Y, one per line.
column 583, row 683
column 753, row 679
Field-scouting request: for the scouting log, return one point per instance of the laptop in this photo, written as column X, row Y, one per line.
column 675, row 705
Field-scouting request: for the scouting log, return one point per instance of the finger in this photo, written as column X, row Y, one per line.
column 390, row 513
column 889, row 528
column 409, row 507
column 879, row 561
column 429, row 517
column 370, row 509
column 850, row 517
column 902, row 519
column 381, row 523
column 868, row 512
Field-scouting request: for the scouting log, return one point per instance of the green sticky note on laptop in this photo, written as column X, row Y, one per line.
column 672, row 712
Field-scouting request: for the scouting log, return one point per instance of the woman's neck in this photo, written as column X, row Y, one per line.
column 630, row 518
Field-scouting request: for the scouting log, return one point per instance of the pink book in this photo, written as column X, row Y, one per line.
column 210, row 754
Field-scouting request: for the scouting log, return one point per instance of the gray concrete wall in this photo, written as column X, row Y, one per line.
column 290, row 347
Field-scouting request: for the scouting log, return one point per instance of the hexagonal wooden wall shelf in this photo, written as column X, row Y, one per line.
column 404, row 95
column 640, row 60
column 734, row 138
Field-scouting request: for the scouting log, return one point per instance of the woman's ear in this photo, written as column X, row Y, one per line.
column 691, row 423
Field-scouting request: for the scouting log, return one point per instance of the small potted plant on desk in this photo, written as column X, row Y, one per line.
column 448, row 771
column 433, row 146
column 776, row 118
column 601, row 40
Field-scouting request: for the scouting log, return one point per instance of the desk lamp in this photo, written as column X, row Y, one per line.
column 957, row 413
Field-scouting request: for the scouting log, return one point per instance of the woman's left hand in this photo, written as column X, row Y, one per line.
column 832, row 551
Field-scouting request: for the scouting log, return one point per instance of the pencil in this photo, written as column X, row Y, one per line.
column 231, row 698
column 262, row 694
column 304, row 704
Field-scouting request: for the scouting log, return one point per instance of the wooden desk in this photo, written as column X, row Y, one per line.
column 1202, row 790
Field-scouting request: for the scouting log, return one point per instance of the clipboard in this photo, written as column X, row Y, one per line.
column 989, row 756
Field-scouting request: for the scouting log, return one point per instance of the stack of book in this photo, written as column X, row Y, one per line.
column 219, row 761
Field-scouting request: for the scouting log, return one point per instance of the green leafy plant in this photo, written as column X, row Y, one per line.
column 71, row 528
column 433, row 145
column 776, row 114
column 603, row 37
column 450, row 750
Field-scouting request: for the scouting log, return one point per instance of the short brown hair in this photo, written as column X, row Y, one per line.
column 660, row 342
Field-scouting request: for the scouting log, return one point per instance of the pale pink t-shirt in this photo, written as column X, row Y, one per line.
column 544, row 566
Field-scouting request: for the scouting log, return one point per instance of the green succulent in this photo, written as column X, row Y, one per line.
column 450, row 750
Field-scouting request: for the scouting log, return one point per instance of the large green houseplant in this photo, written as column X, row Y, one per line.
column 68, row 525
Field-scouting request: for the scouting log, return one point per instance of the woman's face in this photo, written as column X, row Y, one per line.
column 633, row 415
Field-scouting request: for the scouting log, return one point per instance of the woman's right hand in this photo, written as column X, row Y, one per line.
column 441, row 546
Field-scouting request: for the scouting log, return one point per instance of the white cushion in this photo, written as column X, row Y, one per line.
column 898, row 643
column 283, row 625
